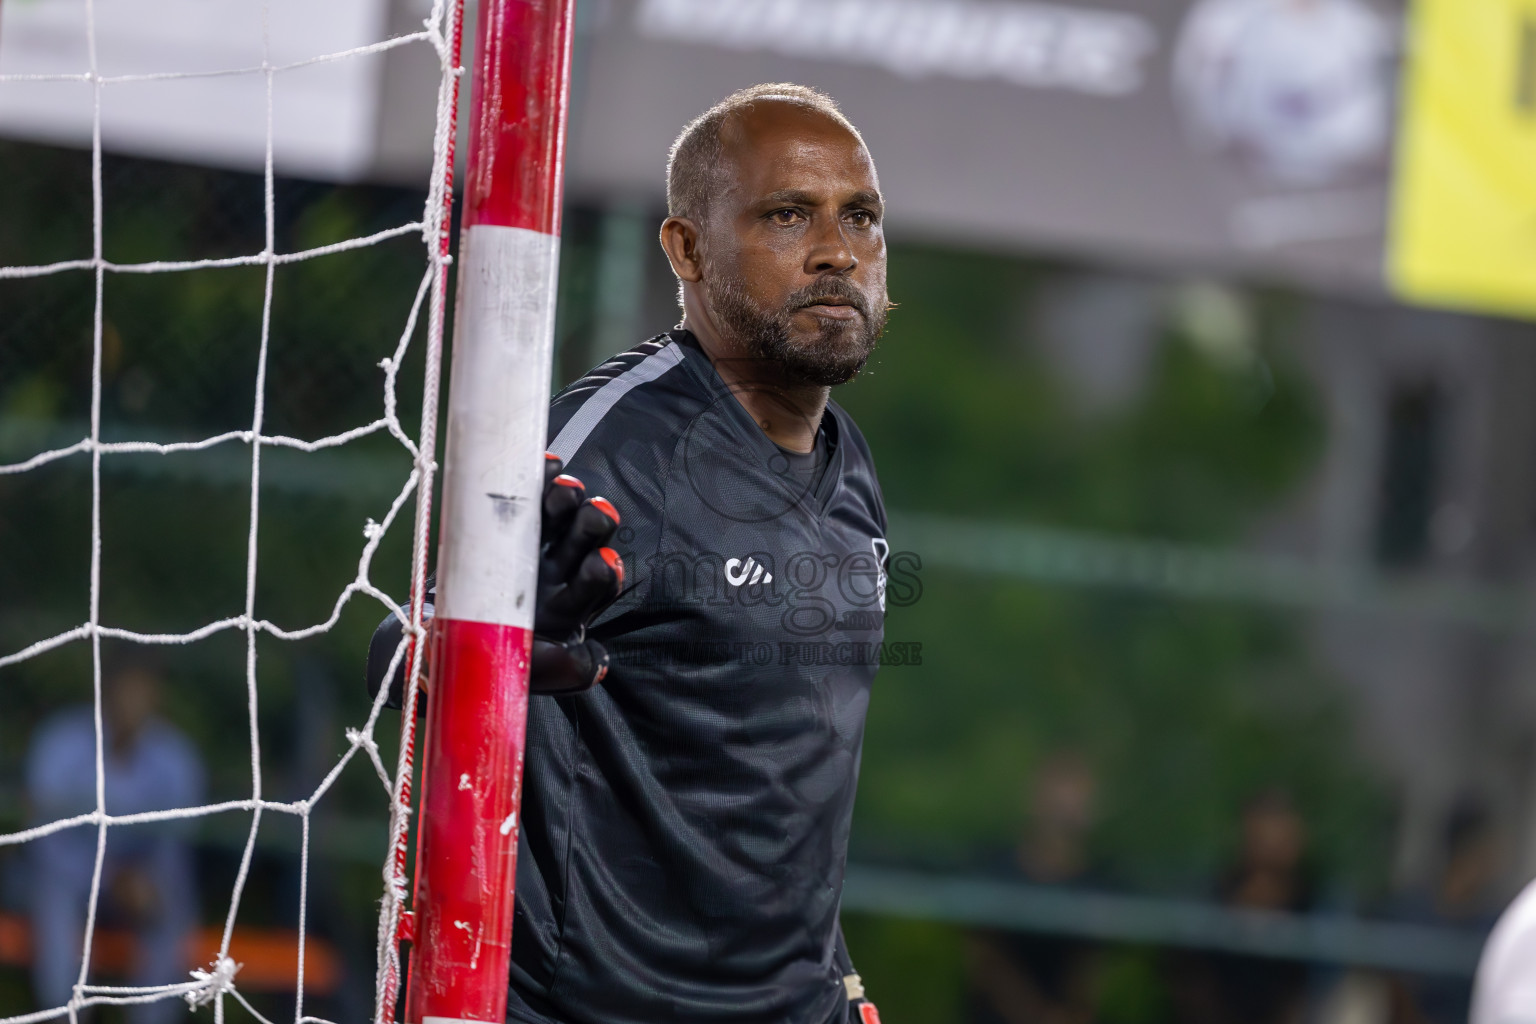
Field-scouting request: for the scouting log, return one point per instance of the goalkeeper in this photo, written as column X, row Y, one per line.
column 685, row 823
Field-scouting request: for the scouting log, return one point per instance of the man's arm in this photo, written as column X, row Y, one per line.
column 58, row 783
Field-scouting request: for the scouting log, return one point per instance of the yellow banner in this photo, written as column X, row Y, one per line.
column 1464, row 209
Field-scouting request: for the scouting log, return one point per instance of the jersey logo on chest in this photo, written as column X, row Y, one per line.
column 738, row 572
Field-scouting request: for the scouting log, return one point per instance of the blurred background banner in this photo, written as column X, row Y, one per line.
column 1251, row 134
column 1465, row 219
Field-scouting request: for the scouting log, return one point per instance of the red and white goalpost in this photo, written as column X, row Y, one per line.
column 493, row 477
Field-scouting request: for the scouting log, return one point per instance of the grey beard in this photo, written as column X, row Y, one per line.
column 834, row 356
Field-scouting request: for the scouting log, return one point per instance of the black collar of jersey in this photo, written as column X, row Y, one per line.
column 699, row 364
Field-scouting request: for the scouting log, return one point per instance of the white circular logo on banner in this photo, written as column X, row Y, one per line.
column 1298, row 89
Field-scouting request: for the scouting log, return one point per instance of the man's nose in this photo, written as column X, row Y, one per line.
column 830, row 252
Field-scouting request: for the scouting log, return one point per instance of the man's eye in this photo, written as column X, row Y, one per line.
column 785, row 217
column 862, row 218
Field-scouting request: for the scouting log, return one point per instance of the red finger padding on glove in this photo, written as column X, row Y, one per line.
column 614, row 562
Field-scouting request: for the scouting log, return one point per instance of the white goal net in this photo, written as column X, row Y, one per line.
column 116, row 97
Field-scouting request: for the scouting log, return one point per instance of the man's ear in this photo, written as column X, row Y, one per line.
column 680, row 241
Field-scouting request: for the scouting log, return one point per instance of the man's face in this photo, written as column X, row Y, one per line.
column 794, row 249
column 1274, row 836
column 130, row 701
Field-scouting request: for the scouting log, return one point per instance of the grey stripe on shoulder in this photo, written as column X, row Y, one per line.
column 591, row 413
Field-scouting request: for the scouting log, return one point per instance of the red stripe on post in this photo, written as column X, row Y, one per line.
column 517, row 129
column 471, row 793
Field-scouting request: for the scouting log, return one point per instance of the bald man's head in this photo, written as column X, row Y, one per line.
column 776, row 235
column 697, row 168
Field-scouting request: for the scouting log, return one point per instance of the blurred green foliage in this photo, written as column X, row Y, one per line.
column 1185, row 709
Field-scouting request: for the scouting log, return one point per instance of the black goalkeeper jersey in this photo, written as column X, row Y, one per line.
column 685, row 823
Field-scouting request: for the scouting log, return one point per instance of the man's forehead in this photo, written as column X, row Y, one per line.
column 774, row 135
column 766, row 113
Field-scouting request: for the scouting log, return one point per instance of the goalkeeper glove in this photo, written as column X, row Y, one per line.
column 579, row 576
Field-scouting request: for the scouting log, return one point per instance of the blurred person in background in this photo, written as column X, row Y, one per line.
column 1269, row 874
column 147, row 886
column 1019, row 978
column 1463, row 896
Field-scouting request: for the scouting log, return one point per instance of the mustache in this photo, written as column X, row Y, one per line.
column 830, row 288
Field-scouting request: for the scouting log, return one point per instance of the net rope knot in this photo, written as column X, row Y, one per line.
column 218, row 980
